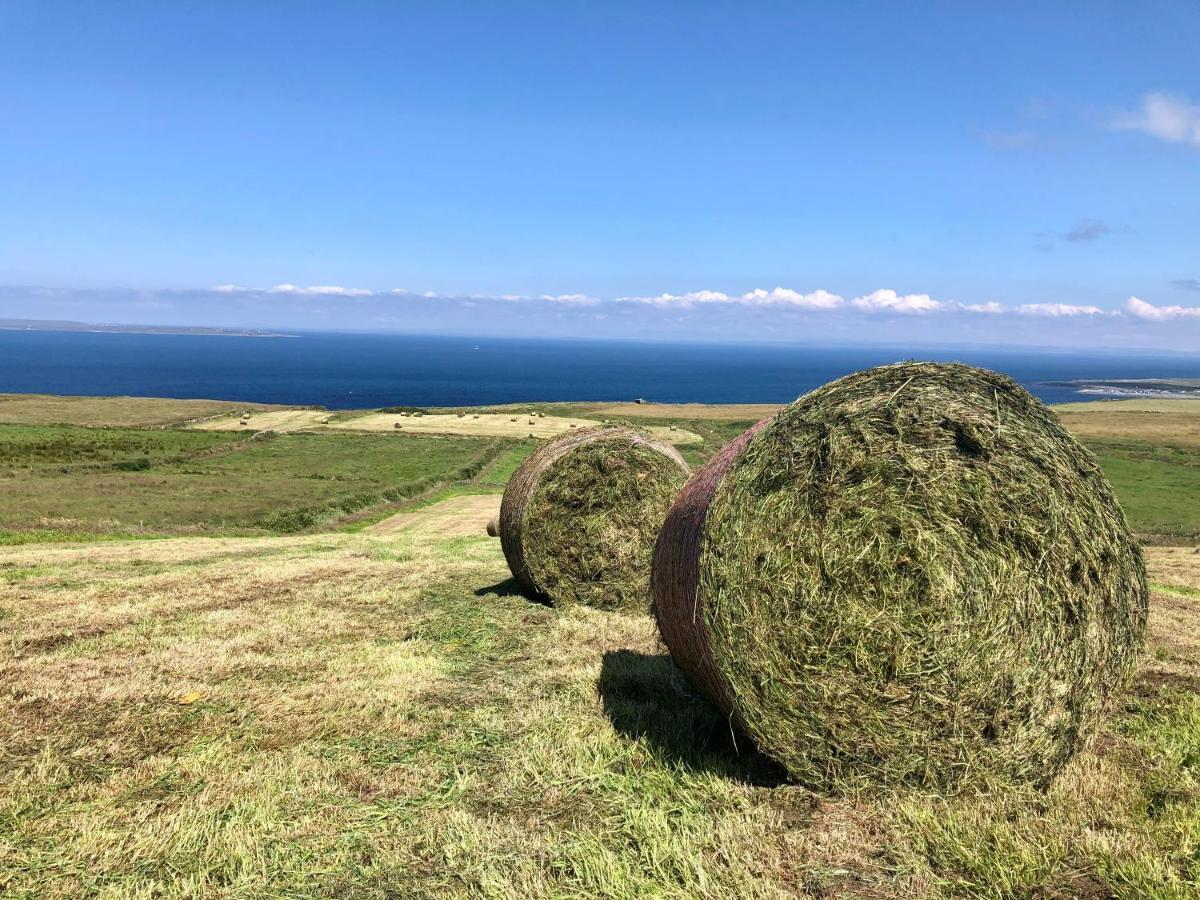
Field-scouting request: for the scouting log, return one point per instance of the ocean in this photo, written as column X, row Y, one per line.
column 344, row 371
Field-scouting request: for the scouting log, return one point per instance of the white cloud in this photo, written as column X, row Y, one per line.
column 1143, row 310
column 1058, row 310
column 779, row 296
column 818, row 299
column 887, row 300
column 689, row 299
column 319, row 289
column 582, row 299
column 884, row 301
column 1169, row 117
column 991, row 307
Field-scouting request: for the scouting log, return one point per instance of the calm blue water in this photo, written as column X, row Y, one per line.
column 354, row 370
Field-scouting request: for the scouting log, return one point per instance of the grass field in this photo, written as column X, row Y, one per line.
column 130, row 412
column 515, row 425
column 368, row 708
column 134, row 482
column 382, row 715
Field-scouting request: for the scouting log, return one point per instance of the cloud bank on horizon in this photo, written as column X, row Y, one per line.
column 883, row 300
column 779, row 314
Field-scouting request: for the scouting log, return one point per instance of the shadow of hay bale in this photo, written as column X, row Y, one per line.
column 646, row 697
column 509, row 587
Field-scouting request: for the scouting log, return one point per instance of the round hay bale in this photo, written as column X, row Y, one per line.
column 398, row 425
column 580, row 515
column 493, row 527
column 911, row 576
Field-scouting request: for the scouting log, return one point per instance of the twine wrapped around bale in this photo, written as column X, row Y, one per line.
column 911, row 576
column 580, row 516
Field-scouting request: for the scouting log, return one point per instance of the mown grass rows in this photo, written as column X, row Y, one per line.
column 353, row 715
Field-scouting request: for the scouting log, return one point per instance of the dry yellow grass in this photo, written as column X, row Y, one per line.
column 735, row 412
column 465, row 516
column 1160, row 422
column 380, row 715
column 44, row 409
column 281, row 420
column 486, row 424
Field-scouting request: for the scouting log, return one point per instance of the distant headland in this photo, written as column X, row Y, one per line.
column 108, row 328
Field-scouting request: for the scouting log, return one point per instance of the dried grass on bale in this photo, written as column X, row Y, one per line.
column 580, row 516
column 911, row 576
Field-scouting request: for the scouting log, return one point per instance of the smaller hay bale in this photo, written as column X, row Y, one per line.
column 541, row 415
column 460, row 415
column 398, row 425
column 580, row 515
column 513, row 419
column 493, row 527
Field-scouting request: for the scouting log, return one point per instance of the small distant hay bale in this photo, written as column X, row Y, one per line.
column 474, row 417
column 673, row 428
column 513, row 419
column 493, row 527
column 541, row 415
column 460, row 415
column 531, row 421
column 580, row 515
column 911, row 576
column 398, row 425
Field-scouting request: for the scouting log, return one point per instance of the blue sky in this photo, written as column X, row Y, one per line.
column 1013, row 172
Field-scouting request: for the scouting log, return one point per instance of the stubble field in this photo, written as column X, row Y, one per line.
column 369, row 708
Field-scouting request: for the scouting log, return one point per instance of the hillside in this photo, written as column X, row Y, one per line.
column 369, row 708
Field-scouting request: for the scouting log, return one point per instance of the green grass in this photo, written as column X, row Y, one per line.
column 385, row 717
column 33, row 447
column 1159, row 487
column 62, row 480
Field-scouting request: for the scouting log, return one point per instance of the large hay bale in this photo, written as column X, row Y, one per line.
column 913, row 575
column 580, row 516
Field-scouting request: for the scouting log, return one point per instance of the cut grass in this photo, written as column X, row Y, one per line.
column 223, row 483
column 369, row 716
column 130, row 412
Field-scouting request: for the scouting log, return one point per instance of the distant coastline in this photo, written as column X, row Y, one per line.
column 1125, row 388
column 105, row 328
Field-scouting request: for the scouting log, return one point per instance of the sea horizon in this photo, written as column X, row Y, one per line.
column 350, row 369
